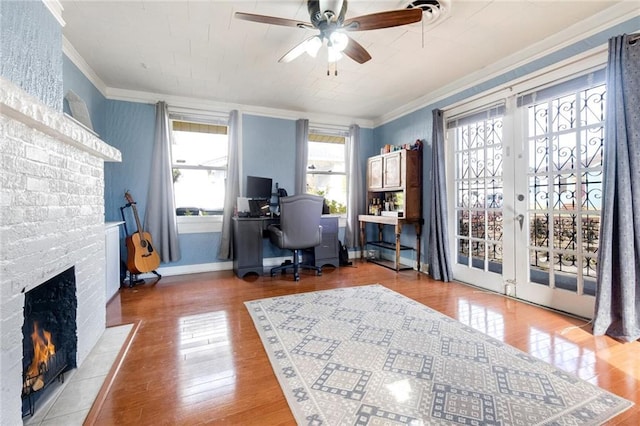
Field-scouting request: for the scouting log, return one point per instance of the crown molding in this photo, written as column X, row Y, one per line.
column 196, row 103
column 55, row 7
column 205, row 104
column 615, row 15
column 74, row 56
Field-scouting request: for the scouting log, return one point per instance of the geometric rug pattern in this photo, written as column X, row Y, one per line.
column 370, row 356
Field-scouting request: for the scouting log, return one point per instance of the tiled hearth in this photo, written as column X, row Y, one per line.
column 52, row 219
column 70, row 402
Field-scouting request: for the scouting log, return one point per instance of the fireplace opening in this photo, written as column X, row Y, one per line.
column 49, row 337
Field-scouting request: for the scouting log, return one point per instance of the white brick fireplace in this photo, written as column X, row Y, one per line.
column 51, row 218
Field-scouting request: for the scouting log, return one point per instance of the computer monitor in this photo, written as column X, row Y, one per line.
column 258, row 188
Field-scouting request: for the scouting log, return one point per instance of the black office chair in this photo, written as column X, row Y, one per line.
column 299, row 229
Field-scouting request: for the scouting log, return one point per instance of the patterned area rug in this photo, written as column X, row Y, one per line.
column 370, row 356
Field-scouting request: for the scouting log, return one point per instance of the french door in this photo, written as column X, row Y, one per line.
column 478, row 167
column 527, row 176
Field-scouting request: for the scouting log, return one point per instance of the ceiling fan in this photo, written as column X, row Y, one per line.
column 328, row 16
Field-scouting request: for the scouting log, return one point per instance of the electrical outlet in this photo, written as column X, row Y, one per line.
column 510, row 287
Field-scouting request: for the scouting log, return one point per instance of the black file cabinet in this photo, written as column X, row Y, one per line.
column 327, row 252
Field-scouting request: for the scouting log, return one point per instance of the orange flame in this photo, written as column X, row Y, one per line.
column 43, row 350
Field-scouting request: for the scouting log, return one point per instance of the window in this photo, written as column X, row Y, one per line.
column 199, row 157
column 326, row 169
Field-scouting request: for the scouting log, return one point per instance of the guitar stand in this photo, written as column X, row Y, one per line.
column 158, row 276
column 133, row 278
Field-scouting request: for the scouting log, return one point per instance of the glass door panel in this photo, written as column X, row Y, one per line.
column 565, row 140
column 479, row 202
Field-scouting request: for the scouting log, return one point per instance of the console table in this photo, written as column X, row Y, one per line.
column 248, row 233
column 397, row 223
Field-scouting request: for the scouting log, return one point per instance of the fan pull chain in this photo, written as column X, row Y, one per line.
column 335, row 68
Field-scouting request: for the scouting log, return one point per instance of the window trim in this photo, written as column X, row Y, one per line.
column 198, row 224
column 588, row 62
column 331, row 132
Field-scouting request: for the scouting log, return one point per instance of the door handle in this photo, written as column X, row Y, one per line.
column 520, row 219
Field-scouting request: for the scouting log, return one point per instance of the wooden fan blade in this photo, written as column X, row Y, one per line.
column 355, row 51
column 272, row 20
column 297, row 50
column 374, row 21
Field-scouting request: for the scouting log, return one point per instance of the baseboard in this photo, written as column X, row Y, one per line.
column 190, row 269
column 199, row 268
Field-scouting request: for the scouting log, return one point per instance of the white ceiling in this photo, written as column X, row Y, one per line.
column 197, row 49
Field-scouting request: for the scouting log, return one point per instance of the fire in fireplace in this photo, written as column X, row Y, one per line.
column 43, row 351
column 49, row 336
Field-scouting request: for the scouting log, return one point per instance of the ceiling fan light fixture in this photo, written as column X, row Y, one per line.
column 334, row 55
column 327, row 16
column 313, row 45
column 339, row 40
column 331, row 9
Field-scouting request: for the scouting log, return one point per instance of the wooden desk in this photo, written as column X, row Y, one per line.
column 248, row 233
column 397, row 223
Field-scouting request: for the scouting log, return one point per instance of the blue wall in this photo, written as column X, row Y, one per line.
column 31, row 50
column 269, row 149
column 129, row 128
column 198, row 248
column 76, row 81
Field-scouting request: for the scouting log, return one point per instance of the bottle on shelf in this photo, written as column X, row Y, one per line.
column 375, row 206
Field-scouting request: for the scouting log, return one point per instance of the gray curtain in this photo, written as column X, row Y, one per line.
column 302, row 150
column 160, row 215
column 438, row 245
column 232, row 187
column 356, row 190
column 617, row 311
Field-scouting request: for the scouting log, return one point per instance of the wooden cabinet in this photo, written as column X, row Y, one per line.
column 394, row 184
column 374, row 173
column 393, row 166
column 394, row 198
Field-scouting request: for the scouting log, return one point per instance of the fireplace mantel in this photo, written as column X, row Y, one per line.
column 15, row 103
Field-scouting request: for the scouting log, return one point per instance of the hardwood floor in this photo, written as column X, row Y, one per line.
column 197, row 359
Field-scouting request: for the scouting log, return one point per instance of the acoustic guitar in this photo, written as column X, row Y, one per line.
column 141, row 256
